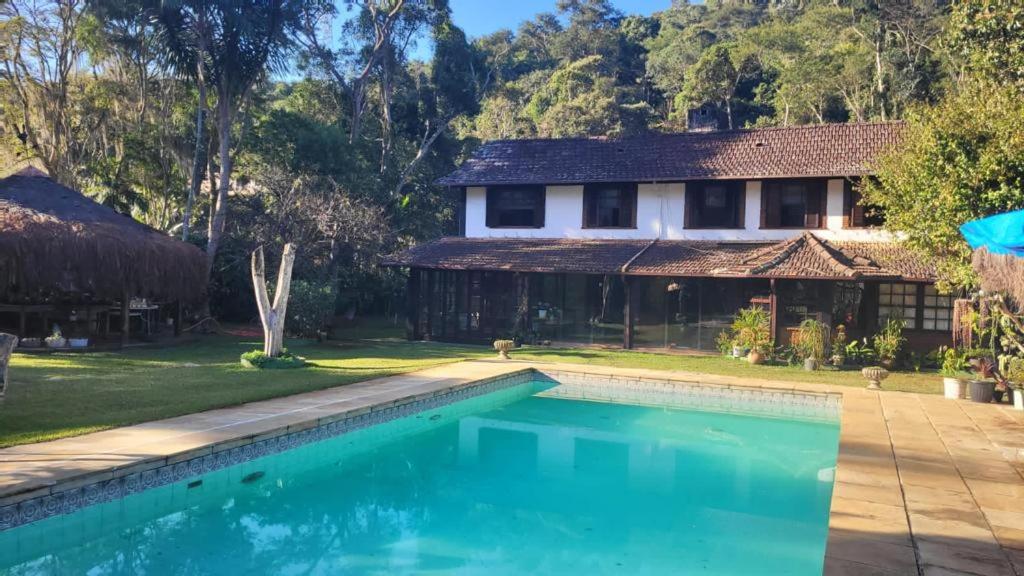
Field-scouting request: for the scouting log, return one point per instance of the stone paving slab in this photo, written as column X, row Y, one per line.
column 924, row 485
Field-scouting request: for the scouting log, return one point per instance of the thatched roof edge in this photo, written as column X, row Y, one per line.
column 56, row 243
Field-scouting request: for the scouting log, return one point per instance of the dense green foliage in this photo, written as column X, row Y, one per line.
column 284, row 361
column 311, row 122
column 964, row 156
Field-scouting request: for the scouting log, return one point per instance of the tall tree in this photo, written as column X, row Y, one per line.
column 186, row 28
column 250, row 38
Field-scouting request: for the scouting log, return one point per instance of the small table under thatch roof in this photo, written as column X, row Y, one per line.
column 58, row 246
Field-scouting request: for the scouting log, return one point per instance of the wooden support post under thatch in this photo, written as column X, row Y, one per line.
column 627, row 313
column 126, row 318
column 179, row 315
column 412, row 305
column 8, row 342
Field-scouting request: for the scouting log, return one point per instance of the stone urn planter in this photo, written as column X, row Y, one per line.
column 78, row 342
column 503, row 347
column 981, row 391
column 810, row 364
column 874, row 375
column 739, row 351
column 1018, row 399
column 954, row 388
column 56, row 342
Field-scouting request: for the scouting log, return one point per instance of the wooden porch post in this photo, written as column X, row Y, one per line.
column 21, row 322
column 627, row 313
column 179, row 313
column 126, row 319
column 412, row 305
column 430, row 275
column 774, row 310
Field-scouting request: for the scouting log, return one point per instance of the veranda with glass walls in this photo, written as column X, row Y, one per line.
column 667, row 313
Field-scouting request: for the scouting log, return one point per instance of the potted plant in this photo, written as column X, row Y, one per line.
column 30, row 343
column 889, row 341
column 1015, row 376
column 981, row 390
column 811, row 343
column 56, row 339
column 954, row 372
column 752, row 330
column 839, row 346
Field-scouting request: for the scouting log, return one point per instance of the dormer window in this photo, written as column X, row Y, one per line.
column 793, row 203
column 714, row 204
column 609, row 206
column 515, row 207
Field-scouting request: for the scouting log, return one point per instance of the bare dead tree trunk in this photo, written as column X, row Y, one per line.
column 272, row 316
column 8, row 342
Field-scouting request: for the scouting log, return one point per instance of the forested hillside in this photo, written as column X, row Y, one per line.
column 252, row 122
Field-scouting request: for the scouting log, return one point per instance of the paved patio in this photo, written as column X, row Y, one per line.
column 924, row 485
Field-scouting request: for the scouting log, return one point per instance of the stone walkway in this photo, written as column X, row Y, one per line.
column 924, row 485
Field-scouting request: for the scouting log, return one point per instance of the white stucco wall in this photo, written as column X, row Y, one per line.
column 660, row 212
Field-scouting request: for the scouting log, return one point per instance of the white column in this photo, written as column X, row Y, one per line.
column 834, row 205
column 752, row 211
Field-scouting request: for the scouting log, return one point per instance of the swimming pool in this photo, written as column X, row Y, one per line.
column 532, row 478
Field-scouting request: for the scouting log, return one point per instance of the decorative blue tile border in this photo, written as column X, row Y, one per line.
column 768, row 402
column 74, row 499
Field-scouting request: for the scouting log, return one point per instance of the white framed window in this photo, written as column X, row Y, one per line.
column 938, row 310
column 898, row 301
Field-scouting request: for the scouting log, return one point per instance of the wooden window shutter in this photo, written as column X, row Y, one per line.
column 589, row 207
column 814, row 195
column 740, row 193
column 492, row 208
column 629, row 194
column 538, row 212
column 769, row 206
column 857, row 217
column 689, row 204
column 847, row 204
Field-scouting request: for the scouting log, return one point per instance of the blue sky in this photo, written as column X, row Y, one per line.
column 480, row 17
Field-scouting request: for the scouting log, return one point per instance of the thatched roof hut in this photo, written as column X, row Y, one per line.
column 58, row 245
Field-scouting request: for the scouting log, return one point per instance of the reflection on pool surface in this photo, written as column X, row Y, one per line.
column 507, row 483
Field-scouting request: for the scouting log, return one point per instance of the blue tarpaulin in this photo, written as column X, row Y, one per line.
column 1001, row 234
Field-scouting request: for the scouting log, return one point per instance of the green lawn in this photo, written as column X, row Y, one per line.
column 58, row 395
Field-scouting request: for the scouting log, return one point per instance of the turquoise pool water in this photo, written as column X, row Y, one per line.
column 507, row 483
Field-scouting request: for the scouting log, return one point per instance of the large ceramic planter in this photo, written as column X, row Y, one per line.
column 981, row 390
column 52, row 342
column 874, row 375
column 810, row 364
column 755, row 357
column 739, row 351
column 503, row 347
column 1018, row 399
column 954, row 388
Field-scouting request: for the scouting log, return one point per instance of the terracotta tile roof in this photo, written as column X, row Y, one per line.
column 825, row 150
column 521, row 255
column 805, row 256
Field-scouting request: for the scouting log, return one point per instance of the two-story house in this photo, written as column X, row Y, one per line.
column 656, row 241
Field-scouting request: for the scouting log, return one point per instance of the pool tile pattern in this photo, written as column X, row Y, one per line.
column 924, row 485
column 67, row 499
